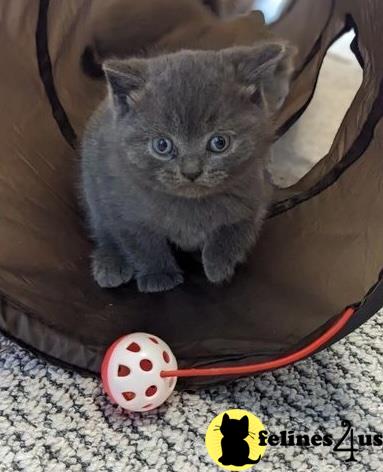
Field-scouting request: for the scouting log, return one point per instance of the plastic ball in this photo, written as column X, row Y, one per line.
column 131, row 371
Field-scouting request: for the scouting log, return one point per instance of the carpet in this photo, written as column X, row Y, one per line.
column 54, row 420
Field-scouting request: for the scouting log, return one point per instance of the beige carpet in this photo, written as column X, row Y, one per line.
column 310, row 138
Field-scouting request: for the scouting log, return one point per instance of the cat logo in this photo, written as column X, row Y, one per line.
column 232, row 440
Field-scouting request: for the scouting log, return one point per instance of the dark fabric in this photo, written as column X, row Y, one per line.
column 45, row 69
column 357, row 149
column 313, row 258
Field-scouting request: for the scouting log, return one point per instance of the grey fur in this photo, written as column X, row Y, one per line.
column 137, row 203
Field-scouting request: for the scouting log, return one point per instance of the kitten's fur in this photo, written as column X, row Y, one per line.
column 138, row 203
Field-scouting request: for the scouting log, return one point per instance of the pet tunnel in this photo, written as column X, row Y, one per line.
column 314, row 275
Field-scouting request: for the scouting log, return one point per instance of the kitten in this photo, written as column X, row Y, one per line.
column 235, row 450
column 176, row 153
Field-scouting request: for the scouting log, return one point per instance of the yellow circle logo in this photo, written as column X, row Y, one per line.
column 232, row 440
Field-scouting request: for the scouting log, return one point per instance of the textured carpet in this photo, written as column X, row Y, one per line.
column 55, row 420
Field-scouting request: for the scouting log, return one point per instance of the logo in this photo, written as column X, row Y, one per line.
column 237, row 440
column 232, row 440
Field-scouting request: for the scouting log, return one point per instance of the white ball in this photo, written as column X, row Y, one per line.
column 131, row 371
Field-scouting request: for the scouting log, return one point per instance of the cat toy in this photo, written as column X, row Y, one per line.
column 139, row 371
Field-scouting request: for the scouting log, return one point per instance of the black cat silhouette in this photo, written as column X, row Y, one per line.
column 235, row 450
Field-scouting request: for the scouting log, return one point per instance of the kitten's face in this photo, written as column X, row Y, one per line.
column 188, row 125
column 238, row 429
column 192, row 132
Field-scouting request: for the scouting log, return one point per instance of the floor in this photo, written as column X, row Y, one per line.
column 311, row 137
column 52, row 420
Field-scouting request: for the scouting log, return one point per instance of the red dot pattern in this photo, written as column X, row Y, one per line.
column 123, row 371
column 146, row 365
column 129, row 396
column 152, row 390
column 134, row 347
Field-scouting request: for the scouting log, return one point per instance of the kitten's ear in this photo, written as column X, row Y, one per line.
column 126, row 82
column 225, row 419
column 245, row 422
column 265, row 70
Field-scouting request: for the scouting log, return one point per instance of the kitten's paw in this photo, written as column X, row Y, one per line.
column 159, row 282
column 218, row 268
column 110, row 269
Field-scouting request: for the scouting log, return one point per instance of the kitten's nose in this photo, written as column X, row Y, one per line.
column 192, row 175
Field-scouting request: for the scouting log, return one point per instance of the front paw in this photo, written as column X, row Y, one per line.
column 109, row 268
column 217, row 266
column 160, row 282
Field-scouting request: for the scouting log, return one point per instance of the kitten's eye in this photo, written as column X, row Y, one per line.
column 163, row 147
column 218, row 143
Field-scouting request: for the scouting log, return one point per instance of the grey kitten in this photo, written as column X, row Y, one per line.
column 176, row 153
